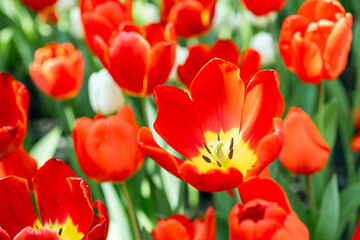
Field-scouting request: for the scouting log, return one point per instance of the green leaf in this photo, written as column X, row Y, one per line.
column 328, row 221
column 331, row 121
column 45, row 148
column 349, row 204
column 119, row 221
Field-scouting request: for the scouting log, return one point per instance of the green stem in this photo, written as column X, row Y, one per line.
column 311, row 199
column 236, row 194
column 320, row 106
column 131, row 211
column 144, row 113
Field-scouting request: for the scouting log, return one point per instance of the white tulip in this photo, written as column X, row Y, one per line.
column 64, row 5
column 181, row 55
column 263, row 42
column 76, row 28
column 105, row 95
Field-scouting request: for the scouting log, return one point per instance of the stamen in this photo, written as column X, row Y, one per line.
column 218, row 137
column 231, row 148
column 60, row 231
column 231, row 153
column 36, row 227
column 207, row 149
column 218, row 163
column 208, row 160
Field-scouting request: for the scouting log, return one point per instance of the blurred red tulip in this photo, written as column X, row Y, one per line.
column 355, row 142
column 356, row 235
column 308, row 156
column 38, row 5
column 102, row 17
column 107, row 147
column 58, row 70
column 200, row 54
column 64, row 206
column 265, row 214
column 179, row 227
column 190, row 17
column 264, row 7
column 315, row 42
column 18, row 163
column 139, row 59
column 224, row 128
column 14, row 104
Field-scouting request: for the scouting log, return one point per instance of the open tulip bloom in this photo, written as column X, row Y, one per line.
column 223, row 128
column 64, row 204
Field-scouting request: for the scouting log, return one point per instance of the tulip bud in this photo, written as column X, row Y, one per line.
column 58, row 70
column 263, row 42
column 105, row 95
column 311, row 154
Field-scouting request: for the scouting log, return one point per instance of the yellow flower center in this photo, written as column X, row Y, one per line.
column 67, row 231
column 225, row 150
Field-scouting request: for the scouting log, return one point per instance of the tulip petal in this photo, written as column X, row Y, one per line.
column 214, row 180
column 198, row 57
column 16, row 207
column 291, row 25
column 4, row 235
column 151, row 149
column 20, row 164
column 250, row 64
column 315, row 10
column 129, row 55
column 263, row 102
column 271, row 192
column 226, row 50
column 217, row 94
column 177, row 118
column 338, row 47
column 44, row 234
column 100, row 225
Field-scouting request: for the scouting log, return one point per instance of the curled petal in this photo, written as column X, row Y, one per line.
column 41, row 234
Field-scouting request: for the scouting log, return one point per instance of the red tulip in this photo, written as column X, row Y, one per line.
column 14, row 104
column 315, row 42
column 18, row 163
column 312, row 153
column 102, row 17
column 190, row 17
column 200, row 54
column 179, row 227
column 38, row 5
column 223, row 128
column 64, row 205
column 264, row 7
column 107, row 147
column 355, row 142
column 139, row 59
column 58, row 70
column 266, row 214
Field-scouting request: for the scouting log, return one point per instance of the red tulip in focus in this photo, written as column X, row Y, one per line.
column 38, row 5
column 304, row 151
column 64, row 205
column 200, row 54
column 14, row 104
column 138, row 58
column 264, row 7
column 102, row 17
column 190, row 17
column 179, row 227
column 58, row 70
column 266, row 214
column 224, row 128
column 107, row 148
column 315, row 42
